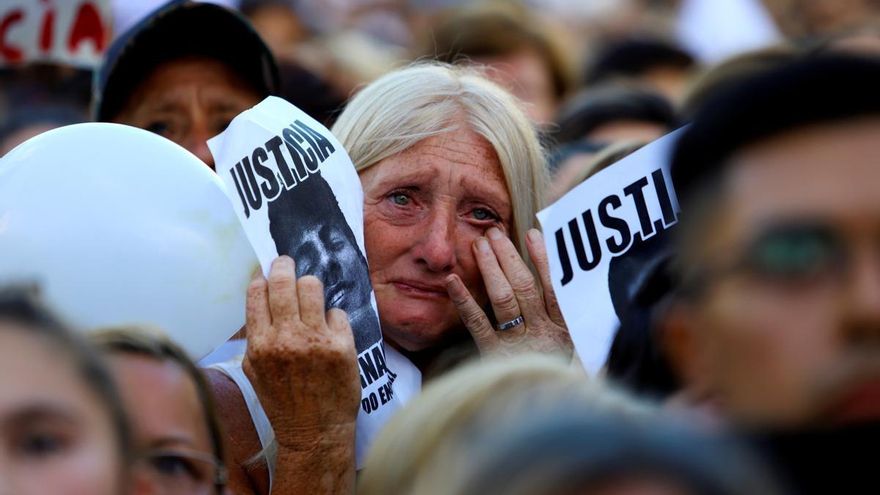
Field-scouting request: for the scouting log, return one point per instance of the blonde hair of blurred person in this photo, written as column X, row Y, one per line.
column 426, row 442
column 428, row 99
column 524, row 50
column 348, row 60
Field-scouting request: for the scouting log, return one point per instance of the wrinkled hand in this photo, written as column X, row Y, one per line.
column 301, row 361
column 513, row 291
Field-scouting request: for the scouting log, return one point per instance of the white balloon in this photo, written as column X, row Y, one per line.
column 120, row 226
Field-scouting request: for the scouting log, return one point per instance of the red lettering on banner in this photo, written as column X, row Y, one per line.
column 47, row 29
column 87, row 26
column 9, row 52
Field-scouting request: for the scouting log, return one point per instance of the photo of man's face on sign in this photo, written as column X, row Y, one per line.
column 307, row 224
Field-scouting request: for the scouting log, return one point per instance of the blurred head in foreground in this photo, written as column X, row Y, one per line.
column 535, row 425
column 778, row 248
column 432, row 437
column 568, row 450
column 62, row 426
column 175, row 429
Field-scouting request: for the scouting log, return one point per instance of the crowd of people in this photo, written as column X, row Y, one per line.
column 747, row 359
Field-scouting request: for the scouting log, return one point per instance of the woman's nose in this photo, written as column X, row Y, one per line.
column 197, row 144
column 436, row 247
column 861, row 325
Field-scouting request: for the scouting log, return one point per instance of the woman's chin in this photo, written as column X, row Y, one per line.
column 415, row 332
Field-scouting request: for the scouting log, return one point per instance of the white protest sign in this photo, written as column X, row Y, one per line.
column 599, row 221
column 120, row 226
column 74, row 32
column 296, row 192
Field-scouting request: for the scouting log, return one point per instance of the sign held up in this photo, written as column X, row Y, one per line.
column 296, row 192
column 74, row 32
column 601, row 219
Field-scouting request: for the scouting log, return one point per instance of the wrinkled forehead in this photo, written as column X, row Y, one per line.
column 215, row 83
column 461, row 161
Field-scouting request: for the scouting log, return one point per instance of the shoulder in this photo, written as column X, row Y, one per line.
column 241, row 441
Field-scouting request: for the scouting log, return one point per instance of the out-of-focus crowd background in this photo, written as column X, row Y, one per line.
column 598, row 79
column 573, row 62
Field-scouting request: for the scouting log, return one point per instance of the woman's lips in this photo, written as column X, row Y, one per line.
column 421, row 290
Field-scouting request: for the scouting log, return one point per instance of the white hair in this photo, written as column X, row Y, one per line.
column 403, row 107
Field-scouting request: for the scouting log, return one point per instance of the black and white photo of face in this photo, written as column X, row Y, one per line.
column 307, row 224
column 326, row 252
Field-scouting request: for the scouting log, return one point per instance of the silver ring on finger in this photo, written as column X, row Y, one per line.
column 507, row 325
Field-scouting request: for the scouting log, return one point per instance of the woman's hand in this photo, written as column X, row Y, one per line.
column 514, row 293
column 302, row 363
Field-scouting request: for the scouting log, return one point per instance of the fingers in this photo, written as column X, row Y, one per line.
column 283, row 303
column 311, row 301
column 538, row 253
column 472, row 315
column 518, row 275
column 258, row 317
column 501, row 294
column 339, row 325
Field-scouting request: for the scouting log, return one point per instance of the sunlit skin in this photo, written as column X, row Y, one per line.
column 761, row 347
column 164, row 408
column 423, row 210
column 55, row 435
column 627, row 130
column 189, row 101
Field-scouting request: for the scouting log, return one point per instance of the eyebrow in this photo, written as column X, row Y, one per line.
column 170, row 441
column 406, row 179
column 476, row 191
column 165, row 106
column 41, row 411
column 213, row 103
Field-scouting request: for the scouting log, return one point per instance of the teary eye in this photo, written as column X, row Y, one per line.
column 399, row 198
column 483, row 214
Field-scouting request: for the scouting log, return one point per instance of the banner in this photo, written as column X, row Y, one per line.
column 591, row 231
column 119, row 226
column 74, row 32
column 296, row 192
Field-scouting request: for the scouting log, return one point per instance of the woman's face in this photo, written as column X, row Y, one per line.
column 168, row 422
column 55, row 435
column 423, row 209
